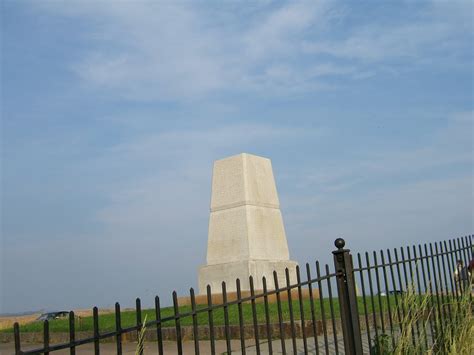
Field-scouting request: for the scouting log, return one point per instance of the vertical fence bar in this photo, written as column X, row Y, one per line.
column 211, row 320
column 470, row 256
column 159, row 334
column 440, row 278
column 387, row 296
column 290, row 308
column 464, row 252
column 16, row 335
column 404, row 266
column 428, row 290
column 300, row 301
column 399, row 277
column 412, row 286
column 254, row 316
column 226, row 318
column 440, row 314
column 471, row 249
column 379, row 292
column 95, row 316
column 420, row 292
column 394, row 285
column 241, row 317
column 195, row 321
column 72, row 334
column 46, row 336
column 267, row 315
column 453, row 255
column 408, row 289
column 444, row 313
column 469, row 241
column 449, row 300
column 450, row 273
column 372, row 302
column 471, row 246
column 467, row 257
column 347, row 298
column 364, row 300
column 417, row 271
column 460, row 258
column 416, row 286
column 434, row 302
column 311, row 303
column 321, row 304
column 118, row 328
column 410, row 266
column 138, row 309
column 179, row 343
column 464, row 255
column 280, row 316
column 331, row 307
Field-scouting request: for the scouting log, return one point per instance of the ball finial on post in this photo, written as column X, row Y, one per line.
column 339, row 243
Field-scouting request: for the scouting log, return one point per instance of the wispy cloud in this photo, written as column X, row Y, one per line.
column 176, row 51
column 435, row 29
column 376, row 43
column 277, row 33
column 448, row 146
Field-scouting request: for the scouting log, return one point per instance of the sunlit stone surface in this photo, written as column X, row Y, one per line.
column 246, row 232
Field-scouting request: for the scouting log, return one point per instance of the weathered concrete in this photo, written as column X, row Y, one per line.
column 246, row 231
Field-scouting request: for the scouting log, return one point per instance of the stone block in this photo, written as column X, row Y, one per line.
column 246, row 231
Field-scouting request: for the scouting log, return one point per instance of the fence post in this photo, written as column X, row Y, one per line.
column 347, row 298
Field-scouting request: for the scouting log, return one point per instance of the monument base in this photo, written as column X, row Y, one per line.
column 217, row 298
column 213, row 275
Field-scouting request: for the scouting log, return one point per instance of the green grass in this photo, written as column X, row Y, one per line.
column 107, row 321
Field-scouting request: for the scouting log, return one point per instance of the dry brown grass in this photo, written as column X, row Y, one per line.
column 7, row 322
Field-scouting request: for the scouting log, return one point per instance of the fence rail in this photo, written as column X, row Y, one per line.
column 347, row 310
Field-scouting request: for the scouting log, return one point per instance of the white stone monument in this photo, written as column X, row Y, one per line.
column 246, row 232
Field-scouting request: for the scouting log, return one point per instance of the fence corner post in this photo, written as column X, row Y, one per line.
column 347, row 298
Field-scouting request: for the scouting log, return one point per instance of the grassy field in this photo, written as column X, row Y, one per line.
column 107, row 321
column 7, row 321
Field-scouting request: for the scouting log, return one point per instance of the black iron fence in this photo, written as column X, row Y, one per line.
column 350, row 309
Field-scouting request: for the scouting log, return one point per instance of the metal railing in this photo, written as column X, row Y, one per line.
column 427, row 270
column 345, row 310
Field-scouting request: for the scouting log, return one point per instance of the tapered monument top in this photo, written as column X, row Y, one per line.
column 243, row 179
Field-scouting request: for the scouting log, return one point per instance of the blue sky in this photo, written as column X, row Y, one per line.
column 113, row 113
